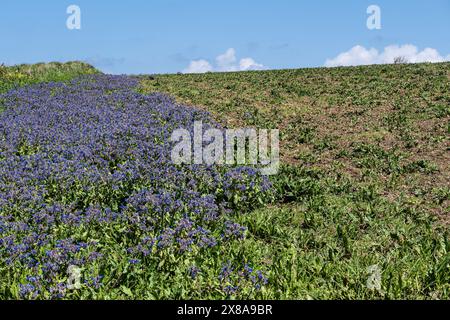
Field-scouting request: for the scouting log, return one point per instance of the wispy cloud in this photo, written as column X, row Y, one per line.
column 359, row 55
column 224, row 62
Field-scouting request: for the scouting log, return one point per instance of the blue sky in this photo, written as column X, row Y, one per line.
column 166, row 36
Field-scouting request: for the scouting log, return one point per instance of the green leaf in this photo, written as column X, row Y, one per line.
column 127, row 291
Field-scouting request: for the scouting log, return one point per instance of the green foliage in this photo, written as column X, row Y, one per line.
column 375, row 157
column 20, row 75
column 294, row 184
column 323, row 247
column 363, row 151
column 364, row 172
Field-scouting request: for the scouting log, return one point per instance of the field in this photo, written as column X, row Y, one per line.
column 359, row 210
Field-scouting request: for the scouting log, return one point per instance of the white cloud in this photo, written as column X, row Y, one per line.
column 198, row 66
column 359, row 55
column 225, row 62
column 250, row 64
column 355, row 56
column 411, row 54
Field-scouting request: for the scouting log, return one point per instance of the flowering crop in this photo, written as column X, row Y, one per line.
column 86, row 174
